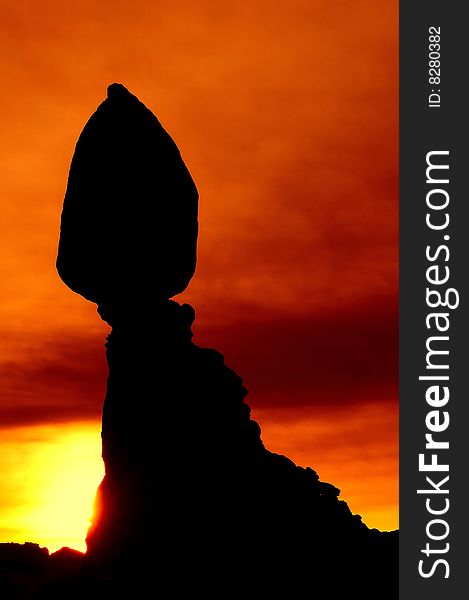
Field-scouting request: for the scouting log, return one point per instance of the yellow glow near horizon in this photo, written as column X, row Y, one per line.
column 51, row 473
column 50, row 476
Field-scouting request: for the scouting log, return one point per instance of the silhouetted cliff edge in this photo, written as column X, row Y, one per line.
column 192, row 497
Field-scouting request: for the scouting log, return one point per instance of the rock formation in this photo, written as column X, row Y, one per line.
column 191, row 498
column 129, row 220
column 29, row 572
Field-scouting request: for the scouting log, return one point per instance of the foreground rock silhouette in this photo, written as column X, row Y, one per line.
column 191, row 502
column 29, row 572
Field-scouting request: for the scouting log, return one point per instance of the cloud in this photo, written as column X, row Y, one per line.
column 316, row 359
column 294, row 152
column 333, row 359
column 63, row 380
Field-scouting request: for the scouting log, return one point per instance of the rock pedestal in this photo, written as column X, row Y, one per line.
column 192, row 498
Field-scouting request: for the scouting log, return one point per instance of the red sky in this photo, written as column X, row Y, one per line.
column 286, row 115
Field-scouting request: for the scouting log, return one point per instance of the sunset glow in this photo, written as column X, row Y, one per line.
column 286, row 116
column 54, row 471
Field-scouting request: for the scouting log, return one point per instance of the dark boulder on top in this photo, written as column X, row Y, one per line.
column 129, row 222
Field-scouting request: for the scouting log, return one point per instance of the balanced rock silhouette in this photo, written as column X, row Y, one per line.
column 129, row 220
column 191, row 501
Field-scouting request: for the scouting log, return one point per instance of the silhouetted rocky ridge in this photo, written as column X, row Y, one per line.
column 29, row 572
column 192, row 496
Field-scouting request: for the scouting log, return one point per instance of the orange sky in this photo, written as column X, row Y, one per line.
column 286, row 115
